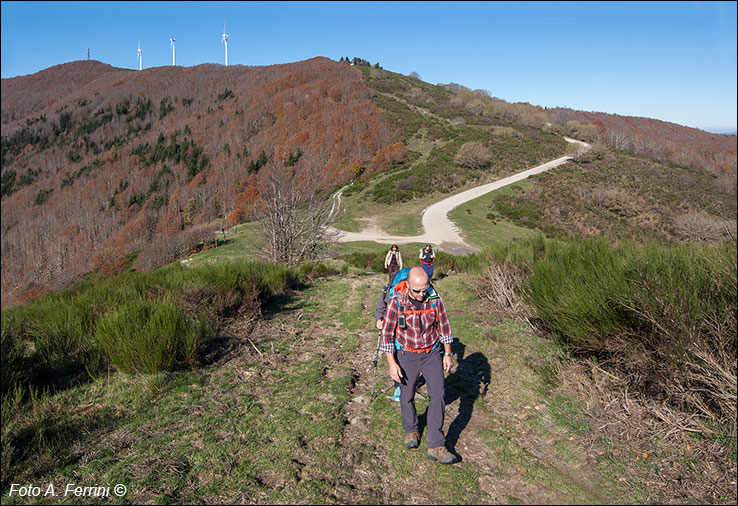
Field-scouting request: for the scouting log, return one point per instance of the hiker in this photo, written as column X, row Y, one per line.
column 393, row 262
column 426, row 260
column 415, row 323
column 379, row 311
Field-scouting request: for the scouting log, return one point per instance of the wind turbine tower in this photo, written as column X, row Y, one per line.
column 171, row 39
column 225, row 41
column 139, row 56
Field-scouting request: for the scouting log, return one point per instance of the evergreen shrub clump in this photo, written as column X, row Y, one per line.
column 663, row 313
column 137, row 322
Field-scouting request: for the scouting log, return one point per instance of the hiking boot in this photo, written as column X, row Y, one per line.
column 412, row 440
column 396, row 395
column 442, row 455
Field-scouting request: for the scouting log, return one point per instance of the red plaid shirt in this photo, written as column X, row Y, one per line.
column 420, row 330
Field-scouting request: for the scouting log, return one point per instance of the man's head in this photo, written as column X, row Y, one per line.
column 417, row 283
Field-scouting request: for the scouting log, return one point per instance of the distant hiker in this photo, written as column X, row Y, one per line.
column 393, row 262
column 415, row 323
column 426, row 260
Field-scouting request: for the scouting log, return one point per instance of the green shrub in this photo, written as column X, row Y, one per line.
column 572, row 289
column 318, row 270
column 59, row 330
column 14, row 371
column 366, row 260
column 67, row 336
column 664, row 314
column 150, row 336
column 586, row 288
column 445, row 262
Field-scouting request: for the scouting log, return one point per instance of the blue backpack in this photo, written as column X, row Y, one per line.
column 399, row 286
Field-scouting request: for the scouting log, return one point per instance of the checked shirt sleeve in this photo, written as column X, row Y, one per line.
column 444, row 326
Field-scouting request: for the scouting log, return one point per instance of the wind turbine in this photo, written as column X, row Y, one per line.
column 171, row 39
column 225, row 41
column 139, row 56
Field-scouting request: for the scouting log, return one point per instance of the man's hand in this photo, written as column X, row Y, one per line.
column 394, row 369
column 379, row 324
column 447, row 363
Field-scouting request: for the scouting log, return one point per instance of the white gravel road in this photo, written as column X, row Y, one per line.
column 438, row 229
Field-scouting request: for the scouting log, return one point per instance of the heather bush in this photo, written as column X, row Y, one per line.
column 150, row 336
column 665, row 314
column 137, row 322
column 473, row 155
column 366, row 260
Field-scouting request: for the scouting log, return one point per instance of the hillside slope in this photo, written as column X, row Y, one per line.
column 103, row 168
column 279, row 412
column 99, row 164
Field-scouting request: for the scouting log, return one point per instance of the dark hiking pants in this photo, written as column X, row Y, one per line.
column 431, row 365
column 392, row 271
column 428, row 268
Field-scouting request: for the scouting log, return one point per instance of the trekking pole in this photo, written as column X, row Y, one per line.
column 376, row 358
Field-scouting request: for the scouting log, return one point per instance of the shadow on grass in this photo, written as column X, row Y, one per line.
column 226, row 342
column 53, row 440
column 224, row 242
column 283, row 302
column 467, row 383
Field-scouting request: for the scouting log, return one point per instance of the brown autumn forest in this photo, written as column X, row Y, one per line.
column 104, row 162
column 102, row 165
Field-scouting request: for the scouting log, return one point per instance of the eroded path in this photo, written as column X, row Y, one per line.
column 507, row 442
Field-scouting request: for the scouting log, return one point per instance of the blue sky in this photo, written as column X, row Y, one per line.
column 674, row 61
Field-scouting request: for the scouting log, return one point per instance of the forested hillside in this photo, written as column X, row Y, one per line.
column 104, row 168
column 99, row 163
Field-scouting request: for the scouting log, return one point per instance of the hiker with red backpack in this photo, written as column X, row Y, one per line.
column 417, row 332
column 426, row 260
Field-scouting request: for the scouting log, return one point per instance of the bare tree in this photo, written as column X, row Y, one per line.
column 296, row 226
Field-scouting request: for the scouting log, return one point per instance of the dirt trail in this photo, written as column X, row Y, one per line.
column 437, row 227
column 464, row 426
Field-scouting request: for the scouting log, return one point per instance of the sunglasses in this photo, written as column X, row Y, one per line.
column 422, row 290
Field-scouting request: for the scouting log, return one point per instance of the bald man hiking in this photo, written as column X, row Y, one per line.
column 417, row 328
